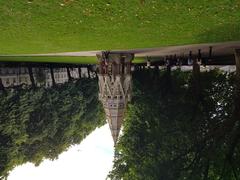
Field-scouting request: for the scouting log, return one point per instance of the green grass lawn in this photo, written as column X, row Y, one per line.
column 54, row 59
column 44, row 26
column 37, row 26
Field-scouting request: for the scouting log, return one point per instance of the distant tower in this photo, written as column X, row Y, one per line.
column 115, row 87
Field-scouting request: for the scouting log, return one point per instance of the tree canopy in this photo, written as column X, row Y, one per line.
column 180, row 125
column 38, row 123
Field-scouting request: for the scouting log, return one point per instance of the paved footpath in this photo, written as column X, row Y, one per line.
column 224, row 48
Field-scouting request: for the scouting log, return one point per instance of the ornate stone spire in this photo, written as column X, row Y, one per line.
column 115, row 86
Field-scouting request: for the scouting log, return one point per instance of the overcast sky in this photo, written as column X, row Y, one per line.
column 91, row 160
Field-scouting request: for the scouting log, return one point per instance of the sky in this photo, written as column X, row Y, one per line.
column 90, row 160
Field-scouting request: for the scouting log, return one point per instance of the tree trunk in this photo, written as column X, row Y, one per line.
column 196, row 68
column 196, row 89
column 95, row 73
column 237, row 93
column 1, row 85
column 30, row 72
column 169, row 78
column 196, row 78
column 69, row 74
column 79, row 72
column 52, row 75
column 88, row 71
column 237, row 60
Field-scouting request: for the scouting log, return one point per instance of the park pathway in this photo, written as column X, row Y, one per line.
column 218, row 49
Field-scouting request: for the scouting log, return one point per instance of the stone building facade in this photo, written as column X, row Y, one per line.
column 15, row 76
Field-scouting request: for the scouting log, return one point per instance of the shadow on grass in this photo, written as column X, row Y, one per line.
column 221, row 33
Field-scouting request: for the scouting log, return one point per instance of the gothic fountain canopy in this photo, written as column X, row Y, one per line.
column 115, row 87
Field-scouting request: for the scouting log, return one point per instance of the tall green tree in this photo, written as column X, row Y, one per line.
column 41, row 123
column 181, row 130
